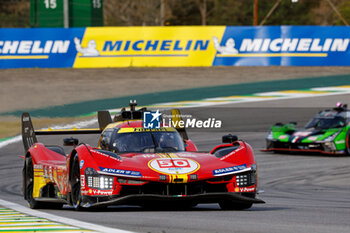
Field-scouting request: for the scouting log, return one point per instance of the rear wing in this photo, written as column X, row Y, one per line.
column 29, row 134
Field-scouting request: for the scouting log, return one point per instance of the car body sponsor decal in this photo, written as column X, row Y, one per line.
column 229, row 170
column 283, row 137
column 245, row 189
column 312, row 138
column 81, row 164
column 121, row 172
column 102, row 192
column 82, row 181
column 302, row 133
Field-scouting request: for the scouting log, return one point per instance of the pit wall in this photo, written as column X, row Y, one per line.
column 175, row 46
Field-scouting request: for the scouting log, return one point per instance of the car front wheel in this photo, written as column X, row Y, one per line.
column 75, row 183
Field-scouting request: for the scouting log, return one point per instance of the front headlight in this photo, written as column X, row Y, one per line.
column 97, row 181
column 269, row 136
column 246, row 179
column 253, row 167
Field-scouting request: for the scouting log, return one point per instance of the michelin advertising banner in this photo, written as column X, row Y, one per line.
column 178, row 46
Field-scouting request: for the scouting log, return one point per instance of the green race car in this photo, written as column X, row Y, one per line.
column 328, row 132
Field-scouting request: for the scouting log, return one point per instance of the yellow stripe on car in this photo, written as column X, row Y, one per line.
column 140, row 130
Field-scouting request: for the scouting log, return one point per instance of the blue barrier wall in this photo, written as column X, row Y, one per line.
column 286, row 46
column 44, row 48
column 175, row 46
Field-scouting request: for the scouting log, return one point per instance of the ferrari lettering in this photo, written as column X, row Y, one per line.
column 108, row 156
column 150, row 130
column 232, row 153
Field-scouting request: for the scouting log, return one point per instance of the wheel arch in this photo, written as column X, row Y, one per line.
column 70, row 163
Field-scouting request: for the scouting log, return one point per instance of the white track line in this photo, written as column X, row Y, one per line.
column 55, row 218
column 10, row 141
column 248, row 100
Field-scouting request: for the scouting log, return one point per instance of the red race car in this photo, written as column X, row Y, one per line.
column 134, row 165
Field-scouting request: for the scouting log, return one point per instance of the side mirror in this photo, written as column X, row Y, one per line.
column 229, row 138
column 70, row 142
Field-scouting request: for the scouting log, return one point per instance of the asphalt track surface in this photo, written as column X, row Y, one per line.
column 303, row 193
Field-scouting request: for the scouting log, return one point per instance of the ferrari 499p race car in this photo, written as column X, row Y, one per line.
column 328, row 132
column 133, row 165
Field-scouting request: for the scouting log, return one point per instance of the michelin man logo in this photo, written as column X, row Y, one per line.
column 228, row 49
column 151, row 120
column 89, row 51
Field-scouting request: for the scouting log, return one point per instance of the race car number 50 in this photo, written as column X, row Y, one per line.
column 173, row 165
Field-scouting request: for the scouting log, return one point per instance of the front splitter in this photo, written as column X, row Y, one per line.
column 139, row 199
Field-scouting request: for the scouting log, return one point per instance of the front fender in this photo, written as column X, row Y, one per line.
column 237, row 152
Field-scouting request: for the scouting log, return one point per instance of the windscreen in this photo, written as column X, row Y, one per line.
column 147, row 142
column 326, row 123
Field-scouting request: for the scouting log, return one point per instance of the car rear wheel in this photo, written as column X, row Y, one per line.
column 347, row 143
column 29, row 184
column 75, row 183
column 29, row 187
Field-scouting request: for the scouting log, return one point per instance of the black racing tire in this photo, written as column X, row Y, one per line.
column 75, row 184
column 347, row 143
column 29, row 185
